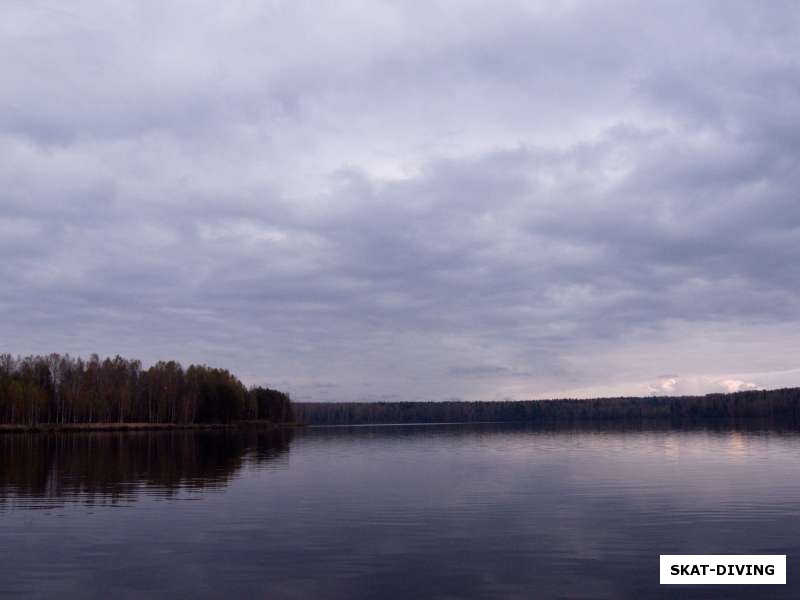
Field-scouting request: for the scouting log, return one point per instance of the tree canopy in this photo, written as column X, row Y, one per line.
column 60, row 389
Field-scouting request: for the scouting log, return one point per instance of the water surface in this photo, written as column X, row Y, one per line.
column 443, row 511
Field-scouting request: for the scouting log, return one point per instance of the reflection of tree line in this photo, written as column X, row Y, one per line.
column 525, row 429
column 115, row 466
column 783, row 404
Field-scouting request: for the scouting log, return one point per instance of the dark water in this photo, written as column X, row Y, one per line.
column 454, row 511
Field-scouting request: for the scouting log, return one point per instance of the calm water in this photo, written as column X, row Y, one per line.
column 452, row 511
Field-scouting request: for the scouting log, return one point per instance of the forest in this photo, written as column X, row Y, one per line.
column 59, row 389
column 62, row 390
column 782, row 403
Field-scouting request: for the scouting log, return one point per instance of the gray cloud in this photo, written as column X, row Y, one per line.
column 407, row 200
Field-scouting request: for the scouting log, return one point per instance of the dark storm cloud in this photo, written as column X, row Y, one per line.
column 403, row 200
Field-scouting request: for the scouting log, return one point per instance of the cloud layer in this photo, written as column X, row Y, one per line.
column 417, row 200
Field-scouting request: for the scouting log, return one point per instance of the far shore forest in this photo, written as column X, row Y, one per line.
column 60, row 390
column 783, row 404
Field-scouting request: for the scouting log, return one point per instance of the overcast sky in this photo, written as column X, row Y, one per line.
column 407, row 200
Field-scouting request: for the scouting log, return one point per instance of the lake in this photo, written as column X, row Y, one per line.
column 406, row 512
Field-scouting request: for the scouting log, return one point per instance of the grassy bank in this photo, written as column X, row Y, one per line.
column 75, row 427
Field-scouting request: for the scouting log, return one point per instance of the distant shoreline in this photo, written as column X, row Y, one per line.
column 782, row 403
column 123, row 427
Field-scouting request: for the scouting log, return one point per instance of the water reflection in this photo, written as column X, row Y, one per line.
column 111, row 467
column 733, row 431
column 435, row 511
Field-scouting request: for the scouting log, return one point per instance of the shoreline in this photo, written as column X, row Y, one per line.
column 123, row 427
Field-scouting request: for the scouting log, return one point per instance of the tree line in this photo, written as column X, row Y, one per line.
column 61, row 389
column 782, row 403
